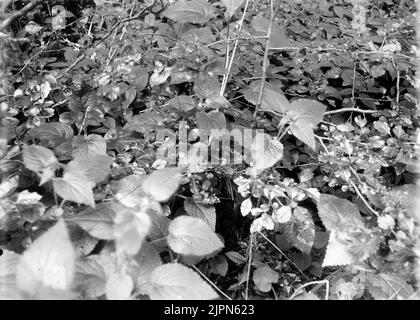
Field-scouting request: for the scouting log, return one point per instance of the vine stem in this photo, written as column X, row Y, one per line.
column 248, row 270
column 327, row 288
column 265, row 59
column 350, row 110
column 363, row 198
column 211, row 283
column 226, row 76
column 282, row 253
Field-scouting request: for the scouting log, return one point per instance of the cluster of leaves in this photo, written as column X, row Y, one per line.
column 90, row 207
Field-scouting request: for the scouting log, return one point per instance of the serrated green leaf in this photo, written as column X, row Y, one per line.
column 95, row 167
column 264, row 277
column 97, row 222
column 192, row 237
column 53, row 133
column 8, row 286
column 40, row 160
column 338, row 214
column 204, row 212
column 162, row 184
column 232, row 6
column 174, row 281
column 48, row 264
column 194, row 11
column 75, row 187
column 92, row 144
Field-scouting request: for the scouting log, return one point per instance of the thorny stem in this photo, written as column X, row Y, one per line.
column 265, row 59
column 211, row 283
column 327, row 288
column 226, row 76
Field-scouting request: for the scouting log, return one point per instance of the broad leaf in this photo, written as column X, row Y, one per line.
column 232, row 6
column 213, row 120
column 192, row 237
column 265, row 152
column 92, row 144
column 194, row 11
column 306, row 116
column 272, row 99
column 385, row 286
column 337, row 253
column 41, row 160
column 338, row 214
column 75, row 187
column 131, row 227
column 182, row 103
column 48, row 264
column 174, row 281
column 95, row 167
column 97, row 222
column 119, row 286
column 162, row 184
column 264, row 277
column 53, row 133
column 148, row 260
column 8, row 286
column 129, row 191
column 204, row 212
column 278, row 38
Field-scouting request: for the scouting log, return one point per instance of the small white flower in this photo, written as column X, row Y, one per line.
column 386, row 222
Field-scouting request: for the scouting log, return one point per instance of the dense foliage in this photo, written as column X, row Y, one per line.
column 92, row 91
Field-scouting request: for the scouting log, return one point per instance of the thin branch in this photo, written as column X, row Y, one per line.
column 265, row 59
column 226, row 76
column 248, row 270
column 29, row 7
column 211, row 283
column 282, row 253
column 327, row 288
column 363, row 198
column 351, row 110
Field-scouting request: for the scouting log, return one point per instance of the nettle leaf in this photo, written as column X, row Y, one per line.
column 119, row 286
column 272, row 99
column 95, row 167
column 246, row 206
column 182, row 103
column 129, row 191
column 74, row 186
column 92, row 144
column 191, row 236
column 131, row 227
column 338, row 214
column 278, row 38
column 204, row 212
column 91, row 274
column 219, row 265
column 206, row 86
column 306, row 114
column 304, row 229
column 148, row 260
column 40, row 160
column 232, row 6
column 194, row 11
column 174, row 281
column 338, row 253
column 159, row 225
column 47, row 267
column 8, row 286
column 162, row 184
column 145, row 122
column 53, row 133
column 213, row 120
column 97, row 222
column 264, row 277
column 385, row 286
column 264, row 152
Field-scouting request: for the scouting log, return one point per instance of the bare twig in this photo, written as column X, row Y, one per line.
column 226, row 76
column 265, row 59
column 327, row 288
column 248, row 270
column 282, row 253
column 351, row 110
column 29, row 7
column 211, row 283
